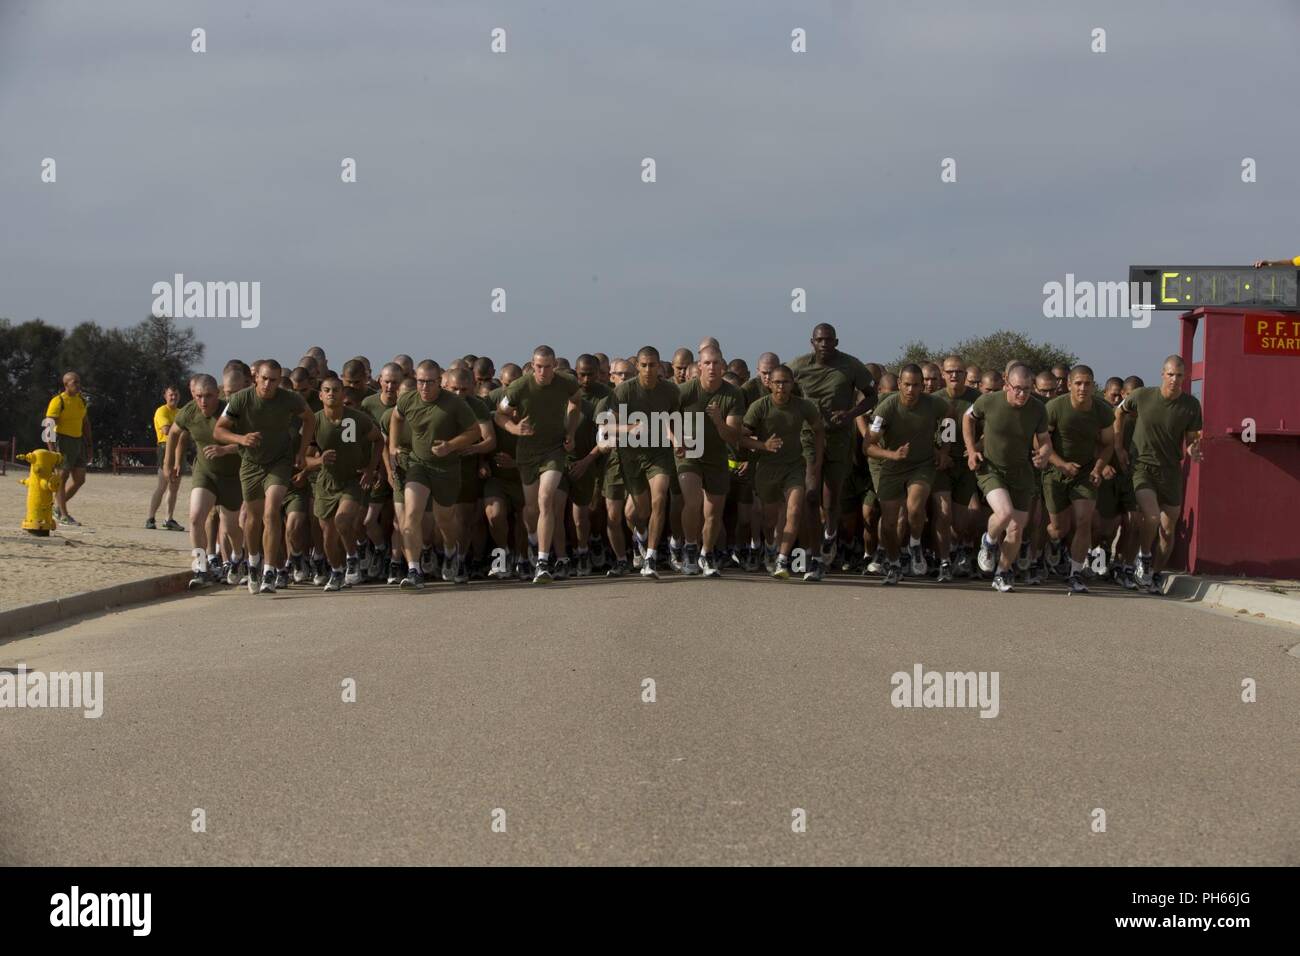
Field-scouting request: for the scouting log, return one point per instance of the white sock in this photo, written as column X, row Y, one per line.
column 673, row 543
column 914, row 542
column 532, row 540
column 254, row 560
column 988, row 542
column 543, row 556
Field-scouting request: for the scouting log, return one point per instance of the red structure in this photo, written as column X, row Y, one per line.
column 1241, row 509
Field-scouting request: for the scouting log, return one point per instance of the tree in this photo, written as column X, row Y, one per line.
column 993, row 351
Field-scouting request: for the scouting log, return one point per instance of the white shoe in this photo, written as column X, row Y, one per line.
column 986, row 559
column 919, row 566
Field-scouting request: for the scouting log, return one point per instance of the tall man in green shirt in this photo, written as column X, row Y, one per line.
column 1167, row 418
column 832, row 380
column 259, row 419
column 1082, row 442
column 548, row 406
column 441, row 426
column 705, row 478
column 381, row 526
column 956, row 492
column 1015, row 442
column 473, row 471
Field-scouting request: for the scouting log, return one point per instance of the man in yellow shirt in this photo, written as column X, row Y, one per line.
column 66, row 430
column 169, row 480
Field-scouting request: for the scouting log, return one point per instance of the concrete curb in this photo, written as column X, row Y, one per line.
column 1234, row 597
column 31, row 616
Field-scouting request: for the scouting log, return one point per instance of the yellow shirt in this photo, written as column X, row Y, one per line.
column 163, row 416
column 68, row 412
column 1296, row 262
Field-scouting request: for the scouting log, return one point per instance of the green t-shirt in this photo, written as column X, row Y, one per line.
column 350, row 456
column 832, row 386
column 1075, row 430
column 1161, row 424
column 664, row 398
column 766, row 418
column 191, row 419
column 273, row 417
column 442, row 419
column 915, row 427
column 545, row 407
column 584, row 439
column 1009, row 432
column 375, row 408
column 694, row 399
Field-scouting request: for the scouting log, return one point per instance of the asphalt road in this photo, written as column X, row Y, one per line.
column 770, row 697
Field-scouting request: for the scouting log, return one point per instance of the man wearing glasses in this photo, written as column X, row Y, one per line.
column 1016, row 441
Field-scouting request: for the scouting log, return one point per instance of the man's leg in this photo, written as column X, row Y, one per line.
column 692, row 483
column 658, row 510
column 546, row 502
column 201, row 502
column 173, row 489
column 273, row 526
column 1169, row 515
column 414, row 497
column 71, row 487
column 160, row 486
column 918, row 494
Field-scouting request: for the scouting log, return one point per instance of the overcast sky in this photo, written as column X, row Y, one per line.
column 523, row 170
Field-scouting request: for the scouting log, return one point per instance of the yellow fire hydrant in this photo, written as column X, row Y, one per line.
column 41, row 482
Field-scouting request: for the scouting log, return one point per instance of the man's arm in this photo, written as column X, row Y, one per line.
column 1042, row 448
column 487, row 441
column 308, row 434
column 1193, row 440
column 458, row 444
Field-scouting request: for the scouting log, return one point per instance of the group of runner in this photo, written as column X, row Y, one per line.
column 543, row 471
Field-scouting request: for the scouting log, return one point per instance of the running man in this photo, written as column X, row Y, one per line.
column 832, row 380
column 214, row 481
column 441, row 426
column 774, row 426
column 1016, row 441
column 903, row 435
column 260, row 420
column 71, row 438
column 348, row 443
column 647, row 463
column 169, row 478
column 1081, row 427
column 549, row 409
column 955, row 488
column 1167, row 419
column 706, row 479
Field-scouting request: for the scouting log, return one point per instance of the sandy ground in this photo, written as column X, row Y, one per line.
column 111, row 547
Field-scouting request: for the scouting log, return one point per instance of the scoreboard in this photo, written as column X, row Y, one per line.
column 1183, row 288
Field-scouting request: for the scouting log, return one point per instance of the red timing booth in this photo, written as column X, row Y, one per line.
column 1241, row 508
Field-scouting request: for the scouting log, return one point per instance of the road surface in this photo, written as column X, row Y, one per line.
column 508, row 724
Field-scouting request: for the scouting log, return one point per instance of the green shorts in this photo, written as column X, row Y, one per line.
column 638, row 469
column 580, row 491
column 530, row 470
column 1166, row 482
column 255, row 478
column 510, row 491
column 716, row 481
column 443, row 483
column 1059, row 491
column 1116, row 497
column 299, row 499
column 893, row 485
column 73, row 451
column 771, row 482
column 327, row 498
column 225, row 487
column 1021, row 488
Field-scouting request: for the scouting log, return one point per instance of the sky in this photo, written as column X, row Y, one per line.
column 523, row 170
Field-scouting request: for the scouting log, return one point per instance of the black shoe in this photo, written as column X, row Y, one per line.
column 414, row 581
column 172, row 525
column 268, row 581
column 151, row 524
column 618, row 568
column 199, row 580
